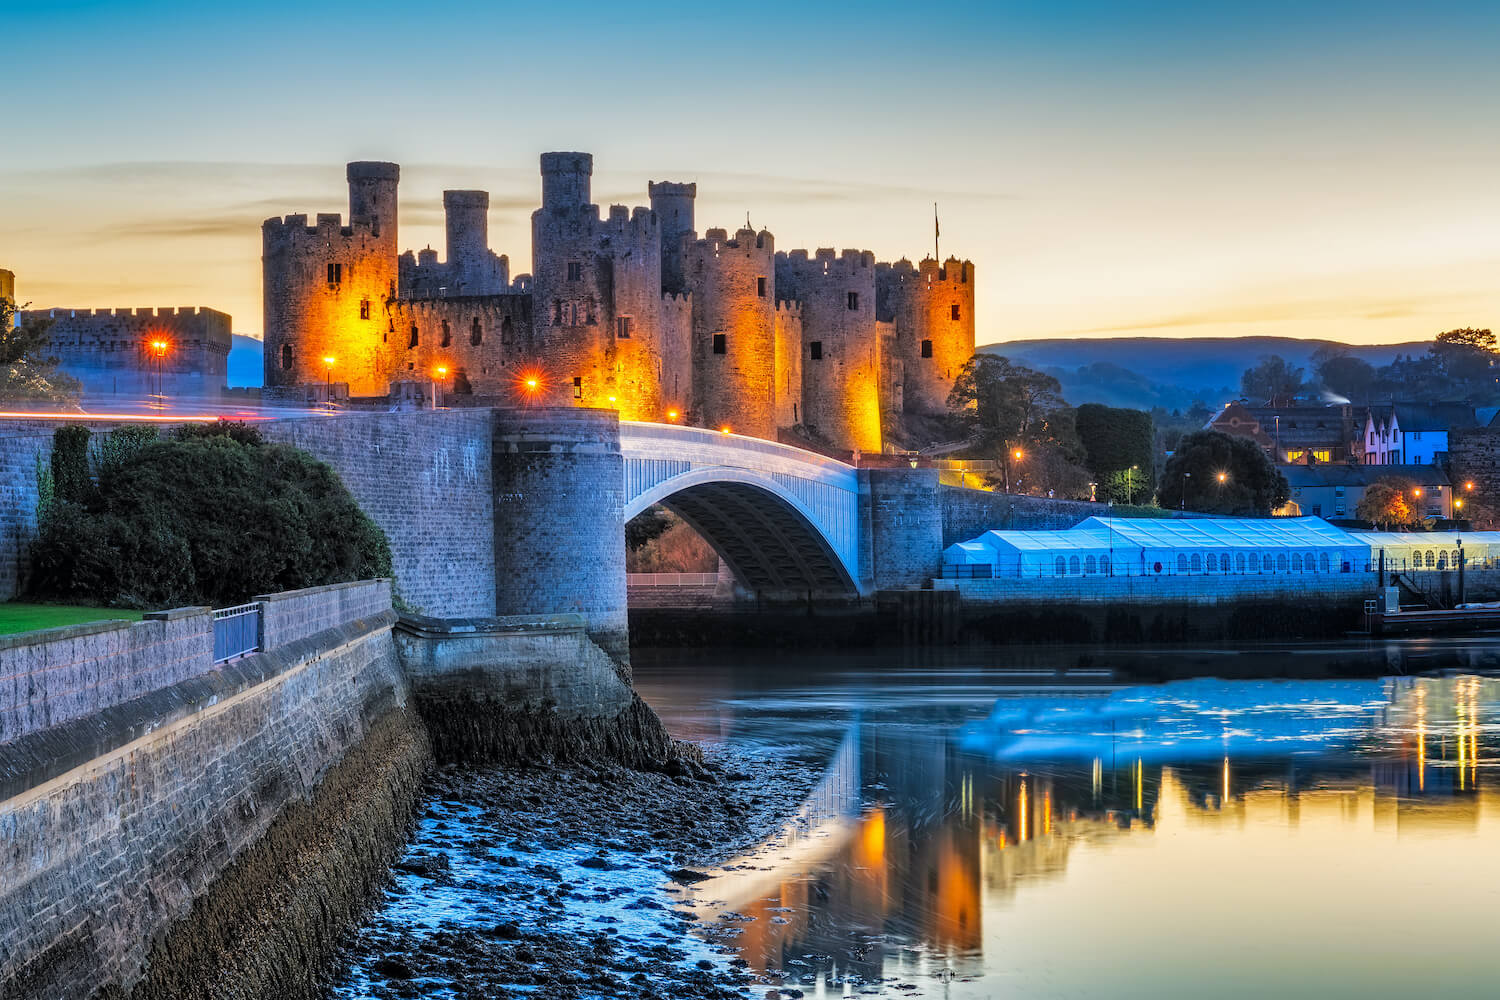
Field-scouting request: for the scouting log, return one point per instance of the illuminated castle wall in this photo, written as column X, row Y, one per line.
column 625, row 309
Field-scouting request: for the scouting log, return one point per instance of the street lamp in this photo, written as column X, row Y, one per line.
column 328, row 382
column 1130, row 484
column 1093, row 492
column 1223, row 478
column 1182, row 504
column 1016, row 454
column 159, row 349
column 440, row 372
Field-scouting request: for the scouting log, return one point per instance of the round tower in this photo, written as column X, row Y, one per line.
column 733, row 284
column 565, row 180
column 673, row 205
column 467, row 214
column 840, row 344
column 932, row 308
column 372, row 197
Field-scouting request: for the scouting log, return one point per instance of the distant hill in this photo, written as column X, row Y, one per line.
column 1167, row 371
column 245, row 368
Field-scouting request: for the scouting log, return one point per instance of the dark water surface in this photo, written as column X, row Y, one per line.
column 1033, row 824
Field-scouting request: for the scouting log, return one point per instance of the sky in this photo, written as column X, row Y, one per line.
column 1112, row 168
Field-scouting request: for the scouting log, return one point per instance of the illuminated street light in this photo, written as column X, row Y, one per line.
column 672, row 415
column 1223, row 478
column 439, row 373
column 724, row 429
column 1469, row 486
column 159, row 350
column 328, row 382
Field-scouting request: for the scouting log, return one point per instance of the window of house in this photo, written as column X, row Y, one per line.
column 721, row 344
column 622, row 327
column 815, row 350
column 1323, row 454
column 413, row 342
column 954, row 312
column 286, row 357
column 447, row 334
column 926, row 348
column 476, row 332
column 575, row 270
column 335, row 273
column 364, row 309
column 853, row 300
column 760, row 287
column 577, row 386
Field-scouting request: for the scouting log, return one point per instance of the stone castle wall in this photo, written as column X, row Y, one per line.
column 109, row 350
column 967, row 513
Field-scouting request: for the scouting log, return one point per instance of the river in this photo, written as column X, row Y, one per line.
column 1026, row 823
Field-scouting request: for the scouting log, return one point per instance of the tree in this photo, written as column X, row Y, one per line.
column 1010, row 408
column 1467, row 357
column 27, row 372
column 1116, row 440
column 1272, row 380
column 1250, row 485
column 1343, row 374
column 1391, row 502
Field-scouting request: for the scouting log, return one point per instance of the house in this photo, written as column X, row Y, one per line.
column 1292, row 435
column 1411, row 433
column 1334, row 491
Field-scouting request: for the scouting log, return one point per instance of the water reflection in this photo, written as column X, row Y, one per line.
column 1199, row 838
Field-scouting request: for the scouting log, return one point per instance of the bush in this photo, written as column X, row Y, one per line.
column 209, row 518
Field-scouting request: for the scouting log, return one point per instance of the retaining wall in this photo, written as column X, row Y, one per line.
column 21, row 447
column 140, row 838
column 969, row 513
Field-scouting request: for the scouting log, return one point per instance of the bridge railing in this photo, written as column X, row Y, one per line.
column 671, row 579
column 237, row 631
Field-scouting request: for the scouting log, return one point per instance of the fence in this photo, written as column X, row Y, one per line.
column 237, row 631
column 671, row 579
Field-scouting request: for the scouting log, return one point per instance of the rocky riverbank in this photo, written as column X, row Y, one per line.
column 563, row 882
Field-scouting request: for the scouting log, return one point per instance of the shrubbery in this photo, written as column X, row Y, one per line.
column 212, row 516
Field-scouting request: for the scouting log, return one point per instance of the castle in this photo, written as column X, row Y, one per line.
column 629, row 310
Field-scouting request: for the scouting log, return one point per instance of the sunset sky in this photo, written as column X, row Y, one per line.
column 1314, row 170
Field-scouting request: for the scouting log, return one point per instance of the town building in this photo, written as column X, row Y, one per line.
column 1411, row 433
column 628, row 309
column 1334, row 490
column 1292, row 435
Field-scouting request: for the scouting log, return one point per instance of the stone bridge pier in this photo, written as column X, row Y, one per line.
column 522, row 511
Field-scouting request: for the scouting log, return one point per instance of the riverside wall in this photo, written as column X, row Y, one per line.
column 150, row 817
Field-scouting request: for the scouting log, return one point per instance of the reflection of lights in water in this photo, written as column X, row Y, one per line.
column 1021, row 832
column 1098, row 778
column 1047, row 810
column 1140, row 780
column 1224, row 798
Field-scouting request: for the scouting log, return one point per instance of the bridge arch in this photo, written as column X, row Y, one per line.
column 769, row 538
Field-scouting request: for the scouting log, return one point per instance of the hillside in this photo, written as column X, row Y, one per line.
column 1167, row 371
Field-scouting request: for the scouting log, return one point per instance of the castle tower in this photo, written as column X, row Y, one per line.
column 733, row 286
column 840, row 356
column 596, row 286
column 467, row 214
column 932, row 310
column 8, row 285
column 327, row 289
column 673, row 205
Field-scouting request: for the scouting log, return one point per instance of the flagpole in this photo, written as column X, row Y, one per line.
column 935, row 233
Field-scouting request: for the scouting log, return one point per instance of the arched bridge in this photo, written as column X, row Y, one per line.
column 784, row 519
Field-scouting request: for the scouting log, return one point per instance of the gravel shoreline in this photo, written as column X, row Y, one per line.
column 561, row 882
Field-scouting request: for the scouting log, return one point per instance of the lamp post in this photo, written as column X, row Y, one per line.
column 159, row 352
column 328, row 382
column 1182, row 504
column 1015, row 454
column 440, row 372
column 1093, row 492
column 1130, row 484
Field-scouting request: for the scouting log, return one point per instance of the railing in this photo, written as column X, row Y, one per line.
column 671, row 579
column 237, row 631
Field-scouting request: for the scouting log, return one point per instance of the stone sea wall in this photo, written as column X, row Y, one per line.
column 204, row 838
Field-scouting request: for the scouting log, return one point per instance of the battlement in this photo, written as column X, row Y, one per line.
column 284, row 232
column 828, row 260
column 146, row 312
column 677, row 298
column 789, row 308
column 744, row 239
column 639, row 222
column 671, row 189
column 906, row 275
column 373, row 170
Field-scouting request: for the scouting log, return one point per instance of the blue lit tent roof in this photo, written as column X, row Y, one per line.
column 1223, row 532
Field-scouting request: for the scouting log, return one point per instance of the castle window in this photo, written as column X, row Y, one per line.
column 760, row 287
column 721, row 344
column 476, row 334
column 853, row 300
column 413, row 342
column 335, row 273
column 926, row 348
column 622, row 327
column 954, row 312
column 447, row 336
column 575, row 270
column 815, row 350
column 286, row 357
column 577, row 386
column 364, row 308
column 507, row 328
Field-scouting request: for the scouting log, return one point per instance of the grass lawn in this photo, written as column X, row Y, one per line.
column 25, row 617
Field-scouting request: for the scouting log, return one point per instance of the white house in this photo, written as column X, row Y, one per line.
column 1411, row 433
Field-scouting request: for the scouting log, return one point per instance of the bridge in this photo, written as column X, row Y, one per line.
column 784, row 519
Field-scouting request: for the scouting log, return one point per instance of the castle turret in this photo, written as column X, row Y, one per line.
column 673, row 205
column 468, row 217
column 733, row 285
column 931, row 308
column 372, row 197
column 565, row 180
column 7, row 285
column 840, row 359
